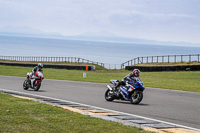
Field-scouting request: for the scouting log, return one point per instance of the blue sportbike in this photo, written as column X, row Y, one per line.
column 131, row 91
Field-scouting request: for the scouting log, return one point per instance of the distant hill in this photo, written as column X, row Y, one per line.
column 91, row 36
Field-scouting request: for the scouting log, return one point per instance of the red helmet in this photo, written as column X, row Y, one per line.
column 136, row 72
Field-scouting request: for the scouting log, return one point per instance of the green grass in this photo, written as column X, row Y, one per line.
column 21, row 115
column 180, row 80
column 177, row 80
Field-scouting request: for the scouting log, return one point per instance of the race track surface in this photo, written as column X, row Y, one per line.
column 167, row 105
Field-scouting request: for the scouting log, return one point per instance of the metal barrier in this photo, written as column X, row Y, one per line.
column 162, row 59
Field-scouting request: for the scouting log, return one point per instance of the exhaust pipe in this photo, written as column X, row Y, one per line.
column 108, row 86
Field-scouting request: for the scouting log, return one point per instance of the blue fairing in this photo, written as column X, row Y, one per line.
column 137, row 85
column 114, row 82
column 125, row 92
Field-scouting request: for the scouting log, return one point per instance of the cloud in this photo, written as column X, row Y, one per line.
column 133, row 15
column 133, row 18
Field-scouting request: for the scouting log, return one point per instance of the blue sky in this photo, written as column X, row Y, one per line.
column 162, row 20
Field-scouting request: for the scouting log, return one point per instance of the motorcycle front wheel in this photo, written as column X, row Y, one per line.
column 25, row 85
column 109, row 95
column 136, row 97
column 37, row 87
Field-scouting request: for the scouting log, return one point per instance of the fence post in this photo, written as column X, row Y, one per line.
column 181, row 58
column 168, row 58
column 175, row 58
column 157, row 59
column 147, row 59
column 142, row 60
column 189, row 58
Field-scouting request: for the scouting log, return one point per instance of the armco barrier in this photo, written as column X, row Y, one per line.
column 70, row 67
column 165, row 68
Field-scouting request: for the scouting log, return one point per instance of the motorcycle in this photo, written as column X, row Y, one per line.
column 132, row 91
column 33, row 82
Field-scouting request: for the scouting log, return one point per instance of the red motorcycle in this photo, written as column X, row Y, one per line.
column 33, row 82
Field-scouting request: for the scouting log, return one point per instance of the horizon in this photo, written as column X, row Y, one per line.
column 109, row 39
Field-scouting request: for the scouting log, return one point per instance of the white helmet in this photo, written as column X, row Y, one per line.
column 40, row 65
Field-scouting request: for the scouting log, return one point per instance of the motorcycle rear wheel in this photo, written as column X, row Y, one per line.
column 136, row 97
column 109, row 96
column 25, row 86
column 37, row 87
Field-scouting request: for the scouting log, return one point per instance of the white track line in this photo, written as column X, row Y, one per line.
column 104, row 109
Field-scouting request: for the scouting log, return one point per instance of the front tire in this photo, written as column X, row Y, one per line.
column 109, row 95
column 37, row 87
column 136, row 97
column 25, row 85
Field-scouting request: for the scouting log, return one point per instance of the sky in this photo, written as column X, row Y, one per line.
column 161, row 20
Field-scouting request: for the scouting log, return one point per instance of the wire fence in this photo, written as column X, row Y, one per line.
column 162, row 59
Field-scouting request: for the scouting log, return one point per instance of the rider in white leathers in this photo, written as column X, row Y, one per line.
column 33, row 72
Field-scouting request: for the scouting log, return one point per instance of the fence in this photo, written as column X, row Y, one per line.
column 138, row 60
column 50, row 59
column 162, row 59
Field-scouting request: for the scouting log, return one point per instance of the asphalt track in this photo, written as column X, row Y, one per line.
column 166, row 105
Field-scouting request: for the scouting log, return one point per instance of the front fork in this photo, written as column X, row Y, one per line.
column 32, row 82
column 110, row 88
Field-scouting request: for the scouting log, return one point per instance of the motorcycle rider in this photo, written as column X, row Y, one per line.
column 33, row 72
column 129, row 77
column 38, row 68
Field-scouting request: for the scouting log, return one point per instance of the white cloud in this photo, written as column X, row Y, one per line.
column 133, row 18
column 125, row 15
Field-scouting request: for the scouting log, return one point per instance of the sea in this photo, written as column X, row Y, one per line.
column 110, row 53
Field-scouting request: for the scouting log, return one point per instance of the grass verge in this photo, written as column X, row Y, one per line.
column 21, row 115
column 178, row 80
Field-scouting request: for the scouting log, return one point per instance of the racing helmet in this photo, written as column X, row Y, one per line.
column 136, row 72
column 40, row 65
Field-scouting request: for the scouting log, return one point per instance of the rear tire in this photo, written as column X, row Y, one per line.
column 25, row 85
column 37, row 87
column 109, row 95
column 136, row 97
